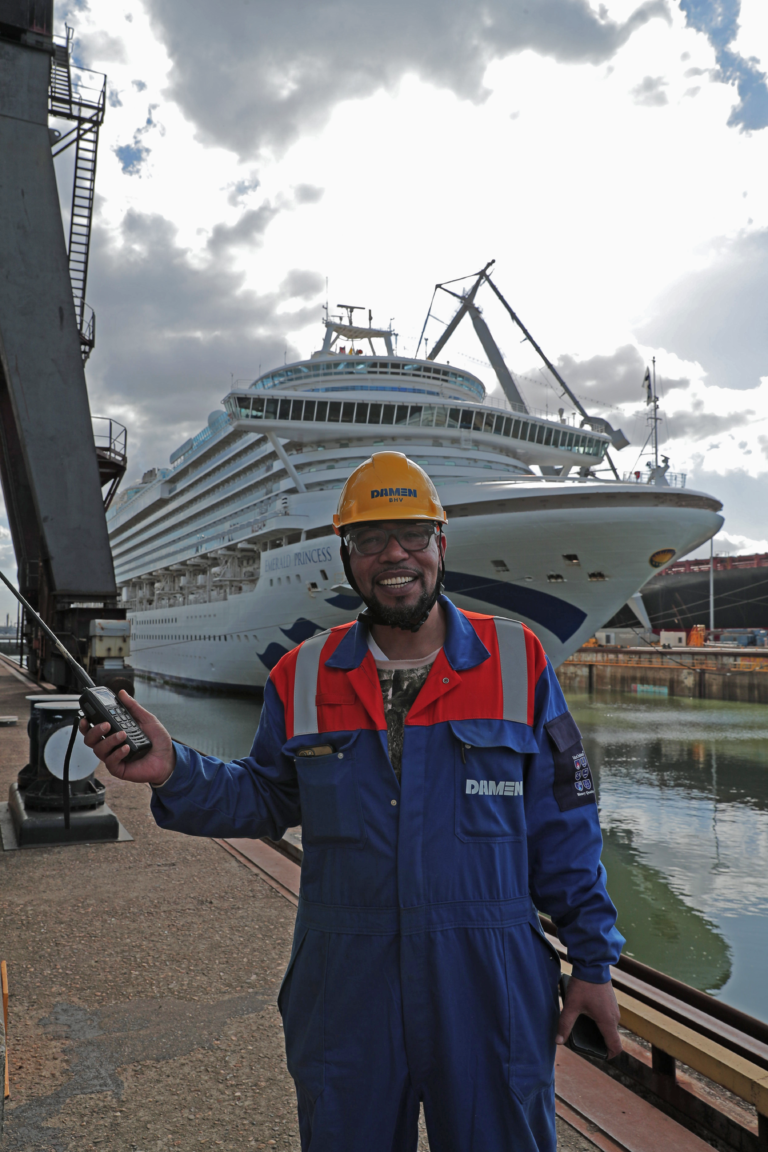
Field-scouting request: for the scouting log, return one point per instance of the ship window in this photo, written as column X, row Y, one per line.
column 515, row 429
column 453, row 417
column 414, row 416
column 334, row 411
column 347, row 413
column 556, row 438
column 361, row 414
column 309, row 409
column 321, row 412
column 479, row 421
column 489, row 419
column 427, row 415
column 441, row 415
column 374, row 414
column 297, row 409
column 401, row 416
column 271, row 583
column 532, row 431
column 547, row 435
column 323, row 573
column 271, row 409
column 507, row 425
column 466, row 418
column 285, row 409
column 388, row 414
column 569, row 443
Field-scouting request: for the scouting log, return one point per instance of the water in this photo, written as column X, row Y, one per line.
column 683, row 793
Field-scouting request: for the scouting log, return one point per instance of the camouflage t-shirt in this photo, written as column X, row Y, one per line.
column 399, row 687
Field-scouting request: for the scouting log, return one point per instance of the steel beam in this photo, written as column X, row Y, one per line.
column 48, row 462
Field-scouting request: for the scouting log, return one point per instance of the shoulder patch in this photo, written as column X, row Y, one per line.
column 573, row 786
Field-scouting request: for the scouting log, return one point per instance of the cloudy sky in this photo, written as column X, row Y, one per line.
column 611, row 158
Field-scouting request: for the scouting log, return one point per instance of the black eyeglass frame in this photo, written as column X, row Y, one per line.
column 390, row 532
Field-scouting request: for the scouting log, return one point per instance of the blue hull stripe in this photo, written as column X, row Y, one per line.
column 554, row 614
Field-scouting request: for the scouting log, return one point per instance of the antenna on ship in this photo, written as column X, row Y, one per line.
column 655, row 419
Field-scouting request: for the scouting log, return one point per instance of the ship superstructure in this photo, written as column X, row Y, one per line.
column 227, row 558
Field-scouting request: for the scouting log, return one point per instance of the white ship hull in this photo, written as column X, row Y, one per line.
column 510, row 552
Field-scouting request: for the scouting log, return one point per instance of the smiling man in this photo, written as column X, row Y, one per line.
column 444, row 796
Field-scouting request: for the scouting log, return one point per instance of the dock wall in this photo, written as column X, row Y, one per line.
column 695, row 673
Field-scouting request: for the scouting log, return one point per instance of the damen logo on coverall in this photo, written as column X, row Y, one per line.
column 495, row 787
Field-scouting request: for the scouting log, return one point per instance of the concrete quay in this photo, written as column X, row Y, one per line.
column 737, row 674
column 143, row 984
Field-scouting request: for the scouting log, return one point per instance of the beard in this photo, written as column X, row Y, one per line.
column 408, row 617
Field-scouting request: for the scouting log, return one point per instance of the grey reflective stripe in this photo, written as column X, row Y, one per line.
column 305, row 685
column 513, row 661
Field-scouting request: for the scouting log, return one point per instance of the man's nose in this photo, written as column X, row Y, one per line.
column 393, row 551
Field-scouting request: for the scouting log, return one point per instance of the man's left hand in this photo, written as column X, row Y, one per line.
column 597, row 1001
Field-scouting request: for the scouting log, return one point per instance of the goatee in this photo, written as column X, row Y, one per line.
column 408, row 617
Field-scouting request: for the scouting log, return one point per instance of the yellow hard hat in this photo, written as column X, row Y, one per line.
column 389, row 486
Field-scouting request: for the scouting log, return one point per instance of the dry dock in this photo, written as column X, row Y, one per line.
column 738, row 674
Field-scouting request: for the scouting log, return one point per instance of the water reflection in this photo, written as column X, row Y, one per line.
column 683, row 791
column 216, row 724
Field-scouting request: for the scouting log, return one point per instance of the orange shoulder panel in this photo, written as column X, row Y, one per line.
column 283, row 673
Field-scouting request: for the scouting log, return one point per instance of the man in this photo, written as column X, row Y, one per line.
column 444, row 796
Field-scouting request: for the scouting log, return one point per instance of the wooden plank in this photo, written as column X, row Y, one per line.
column 631, row 1123
column 585, row 1128
column 267, row 863
column 704, row 1055
column 4, row 983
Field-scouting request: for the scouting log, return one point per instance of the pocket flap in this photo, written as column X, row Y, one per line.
column 563, row 731
column 495, row 734
column 340, row 741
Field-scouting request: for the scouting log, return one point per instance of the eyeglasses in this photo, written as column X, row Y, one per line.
column 371, row 540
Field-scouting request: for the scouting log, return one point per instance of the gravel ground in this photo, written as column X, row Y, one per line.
column 143, row 982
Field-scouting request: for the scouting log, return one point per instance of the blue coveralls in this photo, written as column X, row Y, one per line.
column 419, row 970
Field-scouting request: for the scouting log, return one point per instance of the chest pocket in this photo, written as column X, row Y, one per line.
column 488, row 771
column 331, row 810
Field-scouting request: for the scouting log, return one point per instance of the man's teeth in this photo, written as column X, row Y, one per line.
column 393, row 581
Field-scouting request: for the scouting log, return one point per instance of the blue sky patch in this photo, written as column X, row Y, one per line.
column 719, row 21
column 131, row 157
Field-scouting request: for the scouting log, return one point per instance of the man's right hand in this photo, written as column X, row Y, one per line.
column 154, row 768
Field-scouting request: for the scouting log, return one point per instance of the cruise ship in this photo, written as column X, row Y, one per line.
column 227, row 558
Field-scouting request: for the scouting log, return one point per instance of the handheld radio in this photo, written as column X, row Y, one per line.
column 98, row 703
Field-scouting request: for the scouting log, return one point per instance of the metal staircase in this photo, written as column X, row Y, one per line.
column 71, row 98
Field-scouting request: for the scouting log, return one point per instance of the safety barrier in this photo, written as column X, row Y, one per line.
column 686, row 1027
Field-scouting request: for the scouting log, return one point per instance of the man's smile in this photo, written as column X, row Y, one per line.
column 397, row 581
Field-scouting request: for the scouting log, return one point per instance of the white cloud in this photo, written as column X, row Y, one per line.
column 243, row 160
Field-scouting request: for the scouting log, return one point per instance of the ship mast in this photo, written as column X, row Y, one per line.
column 654, row 418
